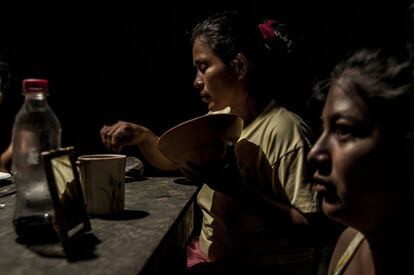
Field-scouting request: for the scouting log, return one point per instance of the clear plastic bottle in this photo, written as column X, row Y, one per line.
column 36, row 128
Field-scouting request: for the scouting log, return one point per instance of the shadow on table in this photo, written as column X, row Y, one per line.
column 125, row 215
column 81, row 248
column 187, row 181
column 5, row 182
column 134, row 178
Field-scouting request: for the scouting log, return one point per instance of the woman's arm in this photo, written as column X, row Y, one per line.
column 5, row 158
column 121, row 134
column 262, row 187
column 243, row 172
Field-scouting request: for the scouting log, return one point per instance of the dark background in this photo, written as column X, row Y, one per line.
column 131, row 60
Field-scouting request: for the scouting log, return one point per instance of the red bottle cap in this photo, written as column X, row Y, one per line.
column 34, row 85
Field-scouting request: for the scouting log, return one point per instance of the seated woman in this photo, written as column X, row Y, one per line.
column 363, row 161
column 5, row 157
column 240, row 64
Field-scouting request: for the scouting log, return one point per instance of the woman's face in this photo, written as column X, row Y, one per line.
column 218, row 87
column 350, row 160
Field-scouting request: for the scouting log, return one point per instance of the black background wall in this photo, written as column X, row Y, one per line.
column 131, row 60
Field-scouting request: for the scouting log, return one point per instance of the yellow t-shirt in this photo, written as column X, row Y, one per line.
column 233, row 233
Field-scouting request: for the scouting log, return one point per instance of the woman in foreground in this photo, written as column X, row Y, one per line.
column 364, row 160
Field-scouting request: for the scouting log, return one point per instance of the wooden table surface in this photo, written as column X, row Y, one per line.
column 148, row 238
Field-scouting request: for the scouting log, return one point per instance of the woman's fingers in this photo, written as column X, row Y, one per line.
column 111, row 136
column 104, row 135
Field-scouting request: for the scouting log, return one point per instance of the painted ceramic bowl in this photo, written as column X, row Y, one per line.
column 198, row 139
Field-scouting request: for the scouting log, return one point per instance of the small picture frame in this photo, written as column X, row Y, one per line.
column 71, row 219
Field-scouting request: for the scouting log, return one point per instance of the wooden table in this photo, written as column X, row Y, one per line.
column 149, row 238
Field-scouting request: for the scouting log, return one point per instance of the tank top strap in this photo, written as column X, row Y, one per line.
column 349, row 253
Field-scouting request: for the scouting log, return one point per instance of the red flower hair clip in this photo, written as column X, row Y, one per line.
column 266, row 29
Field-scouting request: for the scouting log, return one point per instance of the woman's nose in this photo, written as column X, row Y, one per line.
column 198, row 83
column 319, row 158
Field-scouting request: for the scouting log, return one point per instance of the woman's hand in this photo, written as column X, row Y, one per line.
column 121, row 134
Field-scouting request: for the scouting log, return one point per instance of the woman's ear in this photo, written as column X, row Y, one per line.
column 240, row 66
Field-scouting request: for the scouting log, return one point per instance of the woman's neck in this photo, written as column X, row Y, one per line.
column 389, row 237
column 249, row 108
column 391, row 244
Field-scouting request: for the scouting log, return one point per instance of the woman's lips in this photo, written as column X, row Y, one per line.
column 321, row 185
column 321, row 188
column 205, row 97
column 325, row 189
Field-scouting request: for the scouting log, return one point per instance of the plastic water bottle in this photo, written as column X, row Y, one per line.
column 36, row 128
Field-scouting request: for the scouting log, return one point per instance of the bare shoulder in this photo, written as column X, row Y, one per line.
column 342, row 244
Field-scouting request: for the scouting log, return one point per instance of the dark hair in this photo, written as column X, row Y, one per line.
column 232, row 32
column 385, row 82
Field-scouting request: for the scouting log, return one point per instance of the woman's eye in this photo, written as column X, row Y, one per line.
column 202, row 68
column 343, row 131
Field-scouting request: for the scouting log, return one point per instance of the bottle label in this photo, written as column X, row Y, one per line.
column 33, row 157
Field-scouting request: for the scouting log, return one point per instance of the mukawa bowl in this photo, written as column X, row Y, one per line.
column 198, row 139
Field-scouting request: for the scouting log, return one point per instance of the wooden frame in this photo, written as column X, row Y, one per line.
column 71, row 218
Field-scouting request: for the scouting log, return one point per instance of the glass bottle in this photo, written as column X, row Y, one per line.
column 36, row 128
